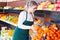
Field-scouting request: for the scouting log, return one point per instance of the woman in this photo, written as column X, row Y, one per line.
column 25, row 22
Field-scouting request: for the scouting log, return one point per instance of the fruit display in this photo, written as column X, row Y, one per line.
column 9, row 18
column 57, row 7
column 6, row 34
column 14, row 20
column 58, row 1
column 18, row 8
column 1, row 15
column 45, row 33
column 7, row 7
column 48, row 6
column 41, row 6
column 51, row 7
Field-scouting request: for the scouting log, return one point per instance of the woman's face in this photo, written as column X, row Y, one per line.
column 33, row 8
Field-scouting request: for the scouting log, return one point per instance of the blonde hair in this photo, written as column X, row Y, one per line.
column 29, row 4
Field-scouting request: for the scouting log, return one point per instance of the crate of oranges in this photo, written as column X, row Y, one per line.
column 45, row 33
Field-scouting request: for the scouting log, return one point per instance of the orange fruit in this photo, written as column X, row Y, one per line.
column 58, row 31
column 34, row 37
column 36, row 27
column 4, row 17
column 10, row 32
column 48, row 34
column 56, row 38
column 41, row 39
column 31, row 31
column 54, row 25
column 59, row 39
column 58, row 35
column 39, row 36
column 40, row 30
column 48, row 38
column 54, row 35
column 39, row 21
column 51, row 32
column 46, row 30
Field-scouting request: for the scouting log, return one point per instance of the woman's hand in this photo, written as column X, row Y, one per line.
column 34, row 30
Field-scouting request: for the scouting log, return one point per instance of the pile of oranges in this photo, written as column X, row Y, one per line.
column 51, row 33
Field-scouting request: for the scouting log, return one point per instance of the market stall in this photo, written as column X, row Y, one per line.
column 47, row 20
